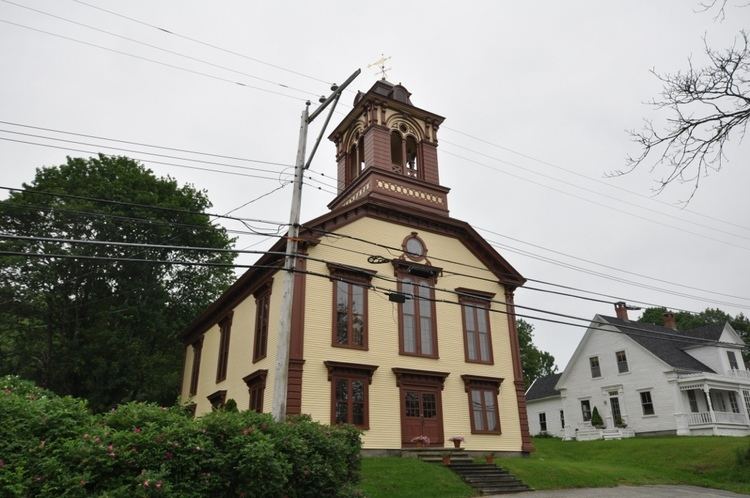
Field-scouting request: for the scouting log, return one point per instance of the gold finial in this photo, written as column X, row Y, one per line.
column 380, row 64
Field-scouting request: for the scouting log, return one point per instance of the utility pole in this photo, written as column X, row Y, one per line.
column 281, row 377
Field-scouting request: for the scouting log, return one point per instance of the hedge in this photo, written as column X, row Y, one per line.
column 53, row 446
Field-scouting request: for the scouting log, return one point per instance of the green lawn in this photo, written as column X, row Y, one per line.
column 697, row 461
column 395, row 477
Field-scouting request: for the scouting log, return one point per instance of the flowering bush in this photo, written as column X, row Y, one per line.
column 53, row 446
column 421, row 439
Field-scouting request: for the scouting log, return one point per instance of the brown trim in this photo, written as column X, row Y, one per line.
column 410, row 255
column 480, row 380
column 471, row 303
column 419, row 377
column 351, row 372
column 225, row 334
column 482, row 389
column 473, row 293
column 420, row 284
column 262, row 312
column 256, row 385
column 195, row 368
column 349, row 277
column 217, row 399
column 374, row 208
column 515, row 349
column 297, row 338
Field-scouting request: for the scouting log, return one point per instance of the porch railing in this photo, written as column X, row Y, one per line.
column 703, row 418
column 735, row 372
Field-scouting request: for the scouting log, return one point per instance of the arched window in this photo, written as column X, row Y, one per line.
column 355, row 159
column 412, row 161
column 396, row 152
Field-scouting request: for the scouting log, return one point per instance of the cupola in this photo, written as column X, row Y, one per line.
column 386, row 148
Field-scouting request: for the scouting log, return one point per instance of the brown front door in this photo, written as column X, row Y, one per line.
column 421, row 414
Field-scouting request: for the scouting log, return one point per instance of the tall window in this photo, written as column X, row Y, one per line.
column 350, row 306
column 562, row 419
column 355, row 159
column 596, row 370
column 396, row 150
column 476, row 325
column 417, row 316
column 256, row 387
column 732, row 360
column 262, row 306
column 412, row 159
column 586, row 410
column 693, row 401
column 196, row 368
column 746, row 395
column 622, row 362
column 733, row 402
column 483, row 407
column 349, row 392
column 543, row 422
column 647, row 403
column 225, row 329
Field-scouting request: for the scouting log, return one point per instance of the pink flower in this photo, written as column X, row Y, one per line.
column 137, row 430
column 146, row 483
column 158, row 484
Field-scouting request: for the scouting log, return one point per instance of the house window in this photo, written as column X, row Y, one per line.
column 476, row 325
column 349, row 392
column 596, row 370
column 622, row 362
column 718, row 401
column 693, row 401
column 256, row 386
column 350, row 306
column 412, row 158
column 732, row 360
column 562, row 419
column 217, row 399
column 586, row 410
column 543, row 422
column 417, row 327
column 733, row 402
column 414, row 247
column 746, row 395
column 483, row 407
column 647, row 403
column 356, row 159
column 196, row 368
column 225, row 329
column 262, row 306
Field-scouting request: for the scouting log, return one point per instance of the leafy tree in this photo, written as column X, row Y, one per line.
column 706, row 107
column 687, row 321
column 536, row 363
column 101, row 329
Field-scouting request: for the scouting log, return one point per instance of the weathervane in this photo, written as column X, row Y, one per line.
column 380, row 64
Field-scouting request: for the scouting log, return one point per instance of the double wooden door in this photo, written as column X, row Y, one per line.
column 421, row 414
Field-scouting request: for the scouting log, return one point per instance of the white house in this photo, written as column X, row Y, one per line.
column 649, row 379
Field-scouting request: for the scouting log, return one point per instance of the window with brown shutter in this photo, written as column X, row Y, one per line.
column 349, row 392
column 256, row 386
column 225, row 329
column 484, row 412
column 350, row 287
column 195, row 371
column 262, row 308
column 475, row 307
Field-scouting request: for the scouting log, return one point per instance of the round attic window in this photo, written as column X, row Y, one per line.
column 414, row 247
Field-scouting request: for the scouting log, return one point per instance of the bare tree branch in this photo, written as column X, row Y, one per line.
column 706, row 107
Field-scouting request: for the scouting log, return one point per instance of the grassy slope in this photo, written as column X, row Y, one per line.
column 394, row 477
column 698, row 461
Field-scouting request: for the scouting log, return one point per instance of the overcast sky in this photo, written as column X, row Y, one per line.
column 537, row 98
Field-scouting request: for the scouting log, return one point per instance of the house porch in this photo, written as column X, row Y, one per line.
column 713, row 408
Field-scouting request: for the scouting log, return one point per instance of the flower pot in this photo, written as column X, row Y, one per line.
column 489, row 458
column 446, row 459
column 420, row 444
column 456, row 444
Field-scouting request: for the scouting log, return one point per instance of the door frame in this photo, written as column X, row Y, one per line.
column 421, row 380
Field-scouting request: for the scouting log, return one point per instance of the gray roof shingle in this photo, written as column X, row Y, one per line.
column 543, row 387
column 668, row 348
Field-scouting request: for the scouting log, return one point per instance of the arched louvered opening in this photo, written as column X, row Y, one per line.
column 412, row 166
column 397, row 156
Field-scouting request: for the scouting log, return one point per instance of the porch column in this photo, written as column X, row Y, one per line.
column 707, row 392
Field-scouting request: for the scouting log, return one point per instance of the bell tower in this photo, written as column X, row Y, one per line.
column 386, row 148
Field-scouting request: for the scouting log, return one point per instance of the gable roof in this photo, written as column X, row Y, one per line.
column 711, row 332
column 543, row 387
column 313, row 230
column 666, row 343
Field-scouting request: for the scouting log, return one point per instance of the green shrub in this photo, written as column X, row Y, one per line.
column 596, row 419
column 52, row 446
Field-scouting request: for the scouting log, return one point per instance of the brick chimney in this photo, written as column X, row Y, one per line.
column 621, row 308
column 669, row 320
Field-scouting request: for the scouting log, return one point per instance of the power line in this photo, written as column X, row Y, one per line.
column 141, row 144
column 173, row 52
column 387, row 291
column 146, row 160
column 194, row 40
column 595, row 192
column 586, row 199
column 573, row 172
column 608, row 266
column 153, row 61
column 139, row 205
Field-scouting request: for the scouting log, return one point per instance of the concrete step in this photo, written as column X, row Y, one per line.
column 488, row 478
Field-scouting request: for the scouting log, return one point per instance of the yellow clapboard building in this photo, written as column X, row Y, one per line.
column 413, row 336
